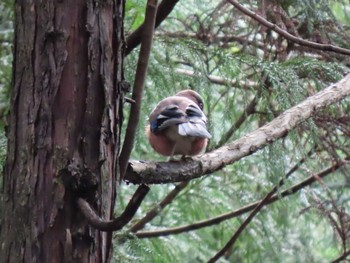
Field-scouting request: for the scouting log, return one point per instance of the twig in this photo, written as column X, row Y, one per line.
column 139, row 83
column 164, row 9
column 165, row 172
column 220, row 81
column 342, row 257
column 156, row 210
column 118, row 223
column 216, row 220
column 249, row 110
column 128, row 100
column 212, row 38
column 255, row 211
column 287, row 35
column 235, row 236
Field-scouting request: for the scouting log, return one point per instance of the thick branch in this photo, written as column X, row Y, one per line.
column 166, row 172
column 118, row 223
column 218, row 219
column 277, row 29
column 139, row 83
column 164, row 9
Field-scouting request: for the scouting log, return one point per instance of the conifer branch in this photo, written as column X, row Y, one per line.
column 245, row 209
column 287, row 35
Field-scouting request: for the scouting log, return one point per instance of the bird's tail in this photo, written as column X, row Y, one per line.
column 195, row 129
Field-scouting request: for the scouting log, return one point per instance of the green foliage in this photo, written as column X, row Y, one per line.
column 203, row 41
column 6, row 35
column 189, row 51
column 135, row 13
column 341, row 12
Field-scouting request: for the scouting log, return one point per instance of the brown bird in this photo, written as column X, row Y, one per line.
column 178, row 125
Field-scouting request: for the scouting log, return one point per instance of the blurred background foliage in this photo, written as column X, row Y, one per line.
column 247, row 75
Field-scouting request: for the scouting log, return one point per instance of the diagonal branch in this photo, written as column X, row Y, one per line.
column 164, row 9
column 141, row 72
column 245, row 223
column 249, row 110
column 118, row 223
column 343, row 257
column 218, row 219
column 166, row 172
column 255, row 211
column 287, row 35
column 156, row 210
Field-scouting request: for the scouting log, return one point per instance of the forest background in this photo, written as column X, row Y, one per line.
column 248, row 73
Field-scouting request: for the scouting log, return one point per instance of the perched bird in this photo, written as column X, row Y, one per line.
column 178, row 125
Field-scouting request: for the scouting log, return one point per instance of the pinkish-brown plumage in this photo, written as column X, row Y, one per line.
column 178, row 125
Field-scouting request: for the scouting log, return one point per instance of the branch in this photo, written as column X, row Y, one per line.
column 139, row 83
column 220, row 81
column 118, row 223
column 166, row 172
column 245, row 223
column 216, row 220
column 255, row 211
column 210, row 38
column 164, row 9
column 342, row 257
column 287, row 35
column 156, row 210
column 249, row 110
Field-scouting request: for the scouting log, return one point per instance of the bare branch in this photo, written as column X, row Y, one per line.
column 139, row 83
column 342, row 257
column 245, row 223
column 119, row 222
column 219, row 80
column 156, row 210
column 218, row 219
column 164, row 9
column 249, row 110
column 166, row 172
column 255, row 211
column 287, row 35
column 215, row 39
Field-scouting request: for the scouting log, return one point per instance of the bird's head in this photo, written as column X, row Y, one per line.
column 192, row 95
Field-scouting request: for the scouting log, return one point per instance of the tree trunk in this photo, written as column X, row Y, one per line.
column 63, row 131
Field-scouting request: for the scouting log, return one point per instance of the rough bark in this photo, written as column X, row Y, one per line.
column 68, row 58
column 165, row 172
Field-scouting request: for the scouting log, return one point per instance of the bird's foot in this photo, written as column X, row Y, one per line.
column 186, row 158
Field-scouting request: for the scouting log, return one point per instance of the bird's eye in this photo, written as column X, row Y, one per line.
column 200, row 104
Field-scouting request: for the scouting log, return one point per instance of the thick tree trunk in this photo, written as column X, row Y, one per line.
column 63, row 131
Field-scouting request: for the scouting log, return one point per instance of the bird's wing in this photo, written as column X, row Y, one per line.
column 196, row 124
column 169, row 116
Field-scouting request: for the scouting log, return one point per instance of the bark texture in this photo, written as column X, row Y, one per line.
column 63, row 133
column 167, row 172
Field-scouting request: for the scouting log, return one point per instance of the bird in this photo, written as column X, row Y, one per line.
column 178, row 126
